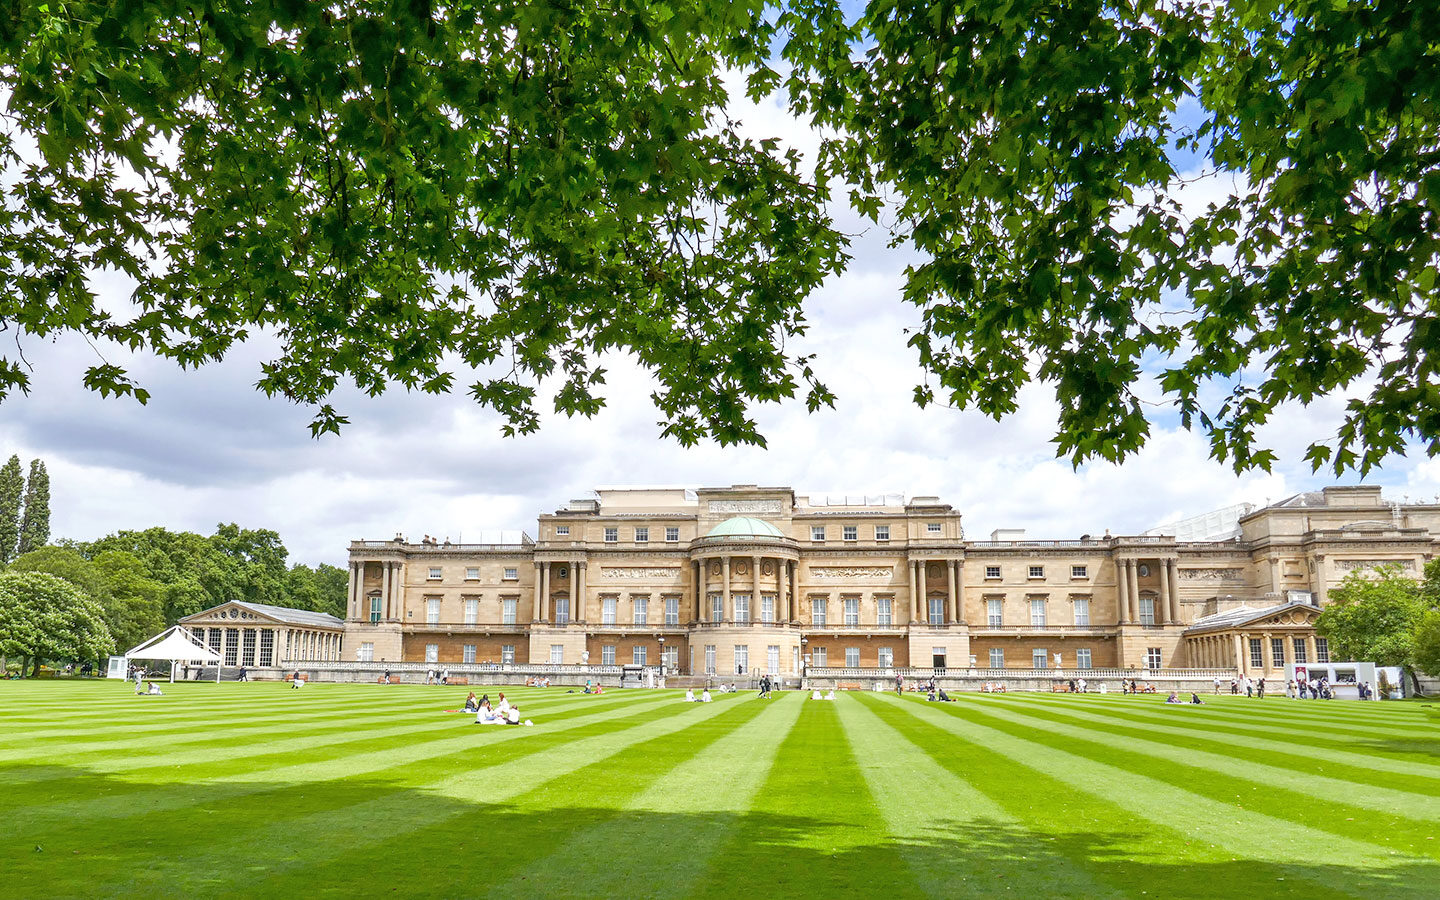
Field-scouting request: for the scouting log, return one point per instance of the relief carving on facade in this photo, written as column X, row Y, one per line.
column 638, row 573
column 830, row 573
column 745, row 506
column 1350, row 565
column 1211, row 574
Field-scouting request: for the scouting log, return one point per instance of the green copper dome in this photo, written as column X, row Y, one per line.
column 744, row 526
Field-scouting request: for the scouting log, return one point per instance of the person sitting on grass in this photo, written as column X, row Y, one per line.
column 487, row 716
column 589, row 686
column 944, row 697
column 472, row 703
column 689, row 695
column 503, row 706
column 296, row 682
column 1195, row 698
column 513, row 717
column 705, row 696
column 1173, row 698
column 152, row 689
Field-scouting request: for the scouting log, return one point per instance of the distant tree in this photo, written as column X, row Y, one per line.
column 12, row 487
column 1373, row 617
column 43, row 616
column 35, row 521
column 135, row 609
column 195, row 573
column 322, row 589
column 67, row 563
column 1427, row 643
column 259, row 557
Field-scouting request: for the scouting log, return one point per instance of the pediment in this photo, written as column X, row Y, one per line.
column 229, row 614
column 1292, row 618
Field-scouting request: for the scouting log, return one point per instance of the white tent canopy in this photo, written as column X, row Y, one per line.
column 175, row 645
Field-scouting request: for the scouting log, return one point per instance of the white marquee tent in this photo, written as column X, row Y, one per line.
column 176, row 646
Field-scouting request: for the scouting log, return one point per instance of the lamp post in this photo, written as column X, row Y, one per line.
column 804, row 662
column 662, row 655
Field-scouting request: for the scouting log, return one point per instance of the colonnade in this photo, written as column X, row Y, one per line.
column 544, row 604
column 265, row 646
column 1232, row 650
column 1167, row 607
column 392, row 593
column 954, row 611
column 783, row 576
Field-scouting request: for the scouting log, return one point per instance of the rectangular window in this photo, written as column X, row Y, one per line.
column 817, row 611
column 1277, row 652
column 772, row 659
column 1257, row 658
column 434, row 574
column 672, row 534
column 638, row 655
column 887, row 657
column 1037, row 612
column 1037, row 571
column 767, row 609
column 607, row 610
column 607, row 655
column 557, row 654
column 850, row 532
column 1322, row 650
column 512, row 574
column 507, row 614
column 742, row 608
column 612, row 535
column 932, row 528
column 507, row 655
column 882, row 532
column 992, row 571
column 1147, row 610
column 670, row 658
column 819, row 657
column 937, row 610
column 852, row 657
column 1152, row 658
column 817, row 532
column 1039, row 659
column 1300, row 651
column 375, row 608
column 267, row 647
column 472, row 573
column 672, row 610
column 852, row 611
column 995, row 612
column 468, row 654
column 432, row 653
column 366, row 653
column 432, row 610
column 1078, row 572
column 709, row 659
column 641, row 609
column 472, row 610
column 884, row 614
column 642, row 535
column 247, row 648
column 997, row 658
column 562, row 610
column 1082, row 658
column 717, row 607
column 562, row 530
column 1082, row 611
column 742, row 659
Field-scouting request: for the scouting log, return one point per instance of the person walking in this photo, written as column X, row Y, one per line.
column 899, row 685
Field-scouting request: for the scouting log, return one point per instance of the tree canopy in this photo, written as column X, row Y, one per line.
column 1377, row 616
column 404, row 191
column 43, row 616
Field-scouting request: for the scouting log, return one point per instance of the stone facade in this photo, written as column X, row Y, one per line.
column 758, row 579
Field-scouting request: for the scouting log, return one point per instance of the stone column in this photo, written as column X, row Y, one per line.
column 1240, row 648
column 698, row 566
column 1174, row 570
column 1163, row 613
column 385, row 588
column 950, row 604
column 1310, row 657
column 1275, row 574
column 1134, row 578
column 1122, row 593
column 545, row 615
column 397, row 588
column 783, row 612
column 1267, row 659
column 960, row 592
column 726, row 610
column 535, row 607
column 754, row 589
column 356, row 572
column 914, row 594
column 578, row 579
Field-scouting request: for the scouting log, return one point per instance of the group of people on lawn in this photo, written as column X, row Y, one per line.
column 502, row 713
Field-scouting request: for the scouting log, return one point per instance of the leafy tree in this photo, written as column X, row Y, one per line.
column 259, row 560
column 323, row 589
column 45, row 617
column 135, row 609
column 1374, row 618
column 69, row 564
column 1427, row 643
column 12, row 485
column 35, row 524
column 194, row 573
column 521, row 187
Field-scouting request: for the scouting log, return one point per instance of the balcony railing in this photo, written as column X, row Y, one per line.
column 1065, row 672
column 1048, row 629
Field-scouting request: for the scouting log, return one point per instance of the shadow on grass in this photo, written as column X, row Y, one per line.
column 301, row 839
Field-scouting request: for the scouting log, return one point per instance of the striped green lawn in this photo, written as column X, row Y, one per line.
column 255, row 790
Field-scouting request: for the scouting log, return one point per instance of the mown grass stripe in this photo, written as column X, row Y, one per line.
column 1334, row 752
column 1301, row 761
column 1198, row 817
column 374, row 813
column 938, row 818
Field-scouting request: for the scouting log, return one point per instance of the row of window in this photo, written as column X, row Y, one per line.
column 1039, row 611
column 817, row 533
column 1300, row 652
column 642, row 534
column 1040, row 658
column 472, row 573
column 993, row 573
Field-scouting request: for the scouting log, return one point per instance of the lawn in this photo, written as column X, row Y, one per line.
column 255, row 790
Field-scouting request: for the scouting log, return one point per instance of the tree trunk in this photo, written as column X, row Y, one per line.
column 1414, row 680
column 36, row 673
column 24, row 664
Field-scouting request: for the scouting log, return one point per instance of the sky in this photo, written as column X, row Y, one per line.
column 209, row 448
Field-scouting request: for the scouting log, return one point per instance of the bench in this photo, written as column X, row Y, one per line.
column 452, row 680
column 848, row 686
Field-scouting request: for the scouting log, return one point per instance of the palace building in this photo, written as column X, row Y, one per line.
column 758, row 579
